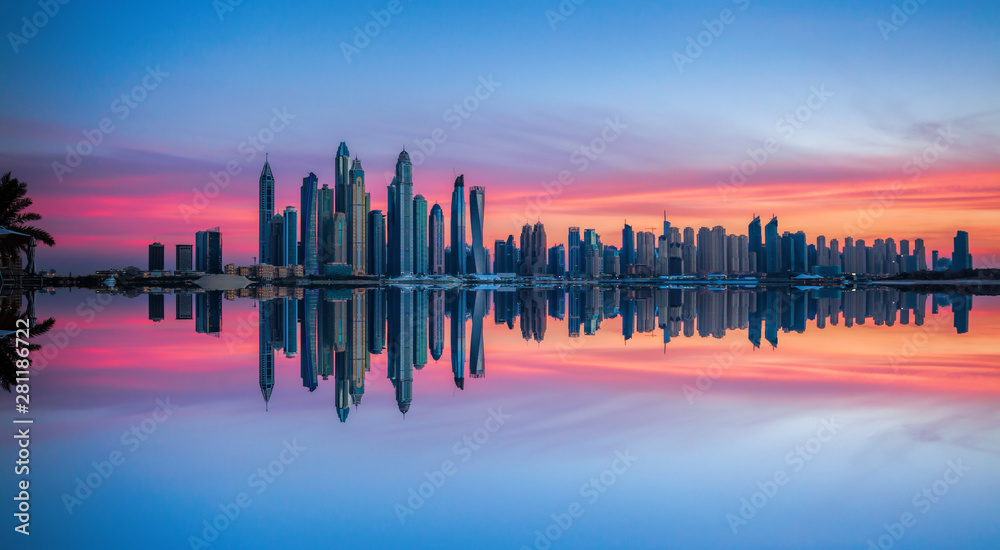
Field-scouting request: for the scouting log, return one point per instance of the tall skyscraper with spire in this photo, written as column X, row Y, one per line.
column 477, row 212
column 456, row 262
column 399, row 218
column 357, row 221
column 266, row 199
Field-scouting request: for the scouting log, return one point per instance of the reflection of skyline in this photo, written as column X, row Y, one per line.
column 335, row 331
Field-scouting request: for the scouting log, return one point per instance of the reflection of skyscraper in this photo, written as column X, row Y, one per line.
column 419, row 328
column 156, row 307
column 477, row 351
column 400, row 344
column 457, row 299
column 376, row 321
column 308, row 245
column 307, row 364
column 435, row 324
column 477, row 210
column 266, row 206
column 185, row 308
column 290, row 334
column 435, row 242
column 357, row 345
column 265, row 352
column 208, row 313
column 456, row 262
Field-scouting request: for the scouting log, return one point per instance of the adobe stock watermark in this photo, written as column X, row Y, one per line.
column 30, row 26
column 582, row 158
column 123, row 106
column 590, row 492
column 899, row 17
column 259, row 481
column 697, row 44
column 563, row 11
column 222, row 7
column 707, row 377
column 363, row 36
column 796, row 458
column 923, row 501
column 131, row 440
column 915, row 167
column 465, row 448
column 785, row 127
column 248, row 149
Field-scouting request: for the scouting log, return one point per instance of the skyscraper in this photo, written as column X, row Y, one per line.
column 574, row 256
column 376, row 243
column 185, row 257
column 156, row 257
column 208, row 251
column 420, row 235
column 342, row 181
column 266, row 199
column 357, row 220
column 276, row 241
column 961, row 259
column 307, row 245
column 457, row 261
column 534, row 251
column 325, row 208
column 757, row 262
column 291, row 238
column 477, row 206
column 399, row 218
column 772, row 244
column 627, row 253
column 435, row 244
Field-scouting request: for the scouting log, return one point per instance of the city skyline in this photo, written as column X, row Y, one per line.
column 668, row 137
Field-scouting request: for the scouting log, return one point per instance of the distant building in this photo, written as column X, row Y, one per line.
column 534, row 252
column 399, row 219
column 208, row 251
column 156, row 257
column 961, row 259
column 184, row 260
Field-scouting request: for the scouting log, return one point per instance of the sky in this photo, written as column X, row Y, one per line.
column 843, row 119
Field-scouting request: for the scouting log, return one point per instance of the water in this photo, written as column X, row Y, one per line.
column 563, row 418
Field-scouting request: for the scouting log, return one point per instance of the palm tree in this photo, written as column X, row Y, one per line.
column 13, row 204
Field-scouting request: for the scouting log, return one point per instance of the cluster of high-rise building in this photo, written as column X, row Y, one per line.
column 335, row 231
column 205, row 256
column 676, row 252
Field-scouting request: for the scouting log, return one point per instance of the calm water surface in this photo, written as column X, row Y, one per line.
column 579, row 418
